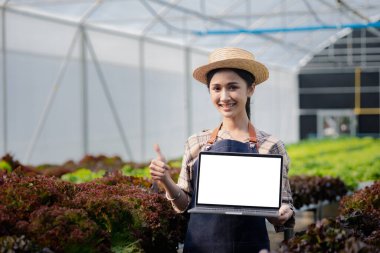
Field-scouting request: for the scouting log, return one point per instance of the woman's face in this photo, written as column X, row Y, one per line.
column 229, row 93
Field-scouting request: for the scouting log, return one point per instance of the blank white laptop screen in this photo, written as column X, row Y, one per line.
column 239, row 180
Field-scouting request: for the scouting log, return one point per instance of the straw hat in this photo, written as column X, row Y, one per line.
column 231, row 57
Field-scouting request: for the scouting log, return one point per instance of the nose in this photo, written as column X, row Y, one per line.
column 224, row 96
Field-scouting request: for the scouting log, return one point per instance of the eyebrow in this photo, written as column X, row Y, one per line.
column 230, row 83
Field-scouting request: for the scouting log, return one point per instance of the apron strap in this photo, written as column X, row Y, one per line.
column 214, row 135
column 251, row 131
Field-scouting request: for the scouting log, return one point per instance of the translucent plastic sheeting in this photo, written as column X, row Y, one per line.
column 164, row 98
column 37, row 36
column 119, row 66
column 2, row 95
column 150, row 87
column 274, row 105
column 30, row 80
column 33, row 61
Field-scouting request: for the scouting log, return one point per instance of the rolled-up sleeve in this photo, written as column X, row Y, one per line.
column 286, row 194
column 184, row 179
column 193, row 146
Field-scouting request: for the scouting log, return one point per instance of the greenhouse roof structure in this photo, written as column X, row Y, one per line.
column 280, row 32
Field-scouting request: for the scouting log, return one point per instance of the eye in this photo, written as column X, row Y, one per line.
column 233, row 87
column 215, row 88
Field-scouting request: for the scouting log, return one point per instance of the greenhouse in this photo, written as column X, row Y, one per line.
column 88, row 87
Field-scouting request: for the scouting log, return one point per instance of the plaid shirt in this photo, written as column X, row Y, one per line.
column 268, row 144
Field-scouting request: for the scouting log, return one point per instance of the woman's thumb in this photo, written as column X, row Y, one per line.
column 160, row 156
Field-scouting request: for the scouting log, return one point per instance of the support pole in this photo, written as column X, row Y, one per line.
column 188, row 93
column 84, row 82
column 4, row 79
column 357, row 90
column 142, row 96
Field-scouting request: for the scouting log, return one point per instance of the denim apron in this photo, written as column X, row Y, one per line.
column 226, row 233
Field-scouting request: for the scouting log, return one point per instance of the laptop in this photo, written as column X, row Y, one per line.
column 238, row 184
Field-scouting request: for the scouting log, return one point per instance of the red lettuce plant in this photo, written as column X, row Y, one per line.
column 116, row 177
column 93, row 217
column 308, row 190
column 66, row 230
column 21, row 195
column 328, row 236
column 361, row 212
column 357, row 229
column 132, row 213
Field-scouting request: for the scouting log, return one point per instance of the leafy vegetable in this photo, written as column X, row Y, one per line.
column 353, row 160
column 308, row 190
column 5, row 166
column 128, row 170
column 357, row 229
column 83, row 175
column 112, row 212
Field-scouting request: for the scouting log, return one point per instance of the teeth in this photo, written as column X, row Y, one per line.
column 227, row 105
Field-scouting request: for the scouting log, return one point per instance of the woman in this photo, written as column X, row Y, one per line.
column 231, row 77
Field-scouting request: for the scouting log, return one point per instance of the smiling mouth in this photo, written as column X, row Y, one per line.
column 227, row 106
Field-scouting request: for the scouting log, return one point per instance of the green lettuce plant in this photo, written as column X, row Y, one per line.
column 353, row 160
column 82, row 175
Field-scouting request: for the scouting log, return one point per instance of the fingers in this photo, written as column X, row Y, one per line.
column 285, row 212
column 160, row 156
column 159, row 164
column 158, row 170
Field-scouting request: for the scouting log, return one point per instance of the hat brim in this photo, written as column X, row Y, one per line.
column 256, row 68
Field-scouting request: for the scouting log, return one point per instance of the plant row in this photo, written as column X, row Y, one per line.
column 113, row 214
column 306, row 189
column 356, row 229
column 354, row 160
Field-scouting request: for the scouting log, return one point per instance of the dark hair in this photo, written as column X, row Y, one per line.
column 245, row 75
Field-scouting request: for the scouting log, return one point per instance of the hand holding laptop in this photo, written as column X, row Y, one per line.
column 284, row 214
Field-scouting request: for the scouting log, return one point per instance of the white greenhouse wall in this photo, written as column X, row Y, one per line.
column 150, row 84
column 275, row 105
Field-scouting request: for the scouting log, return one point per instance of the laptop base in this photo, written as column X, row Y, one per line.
column 249, row 212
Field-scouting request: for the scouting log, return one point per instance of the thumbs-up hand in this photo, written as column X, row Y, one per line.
column 159, row 168
column 160, row 156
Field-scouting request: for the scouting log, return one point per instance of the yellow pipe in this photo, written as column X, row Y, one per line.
column 357, row 90
column 358, row 110
column 367, row 111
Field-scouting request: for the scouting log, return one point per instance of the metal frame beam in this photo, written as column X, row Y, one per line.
column 279, row 41
column 221, row 14
column 142, row 95
column 265, row 37
column 84, row 75
column 160, row 14
column 4, row 79
column 358, row 14
column 253, row 25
